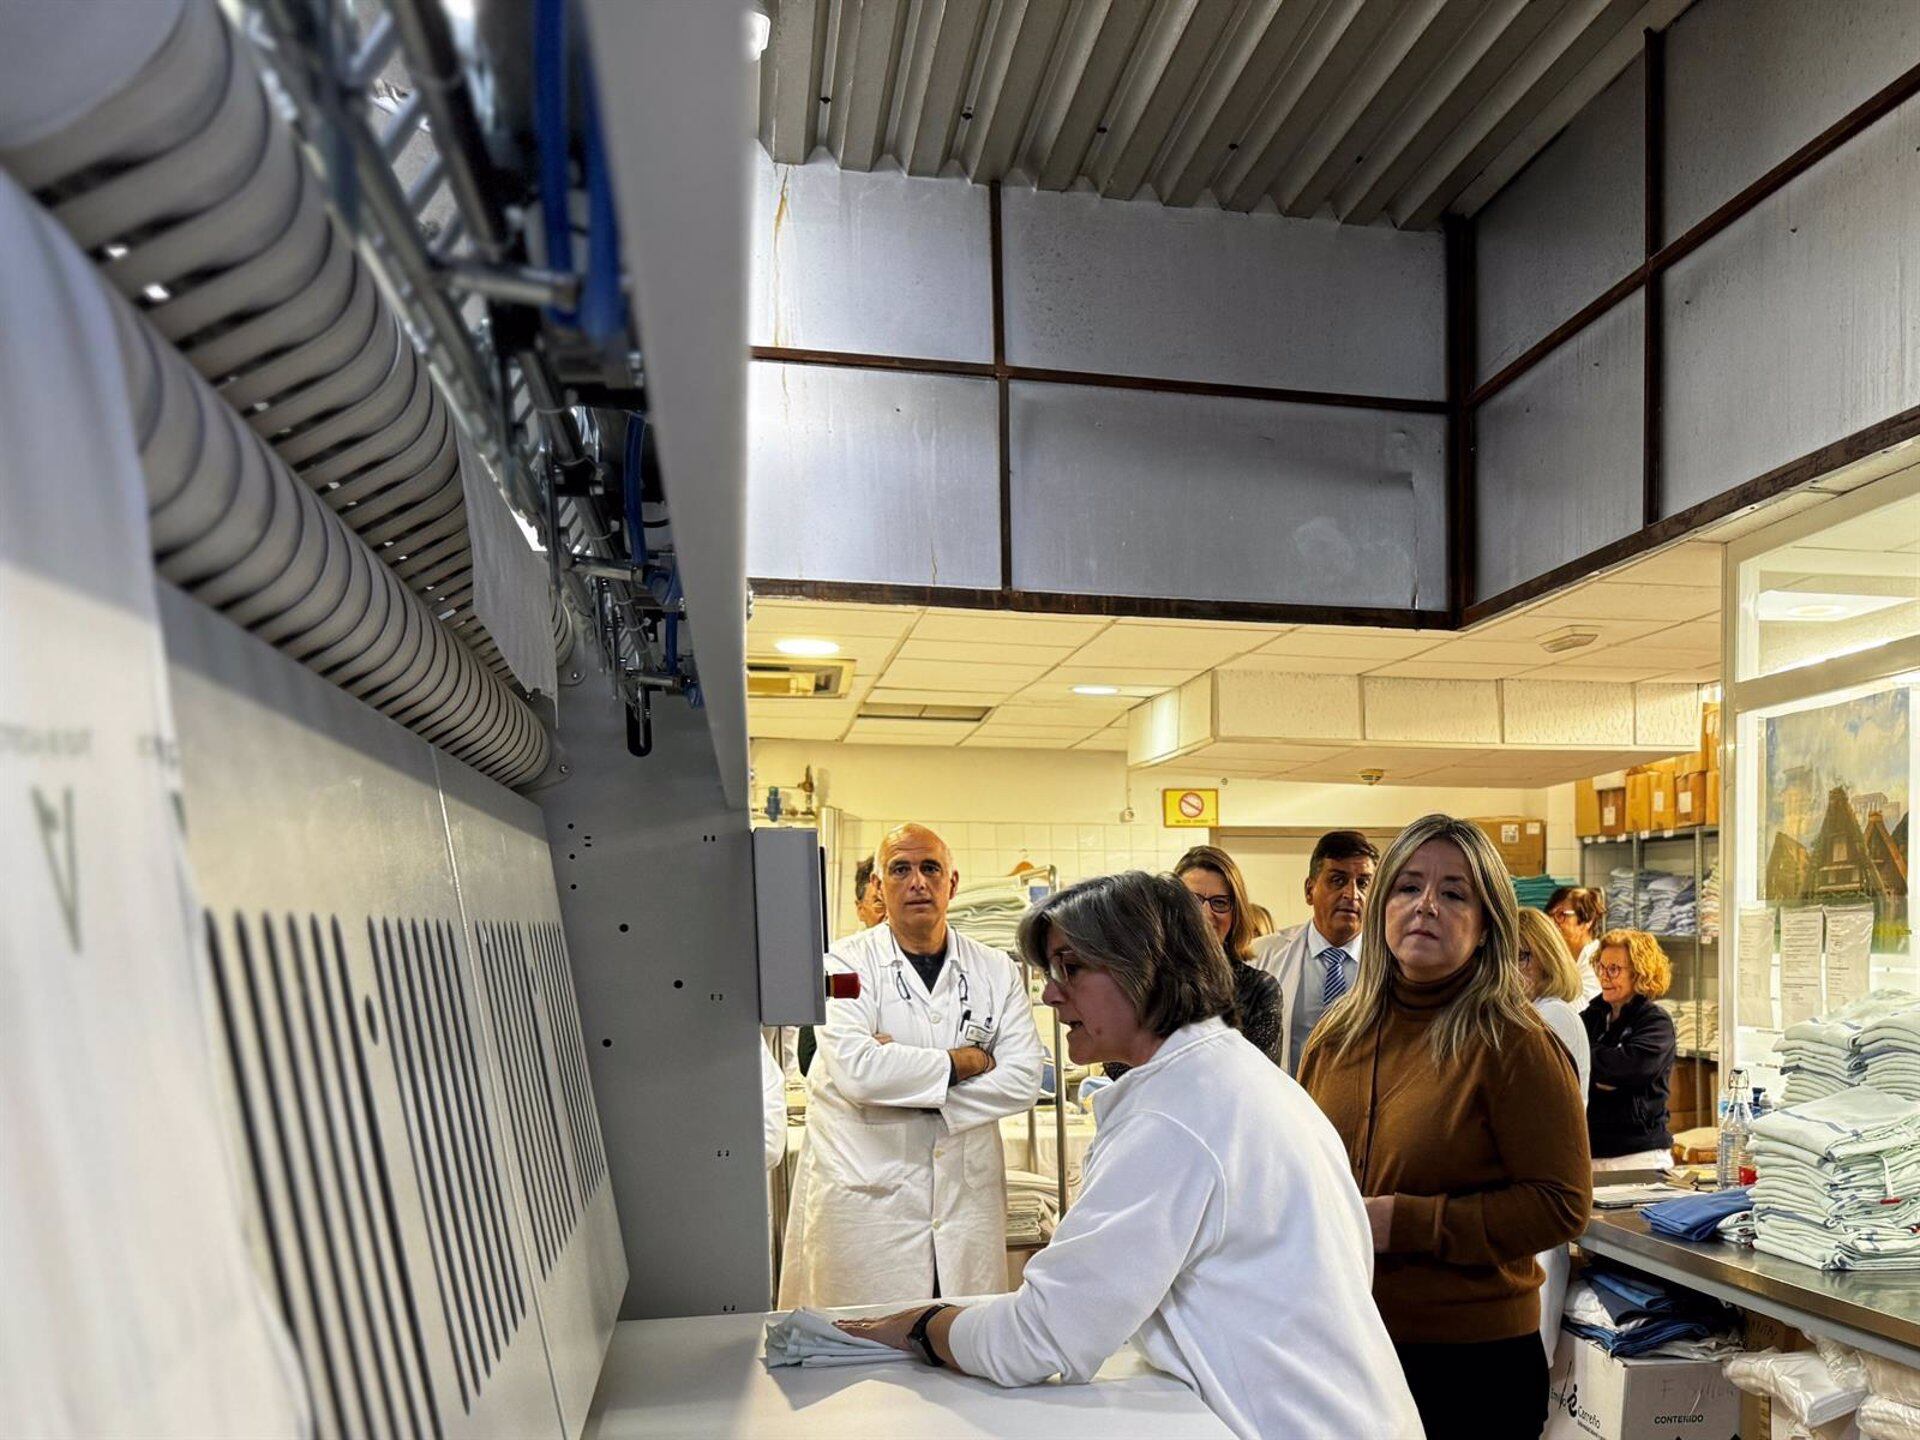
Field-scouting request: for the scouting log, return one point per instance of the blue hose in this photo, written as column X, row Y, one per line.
column 550, row 134
column 603, row 310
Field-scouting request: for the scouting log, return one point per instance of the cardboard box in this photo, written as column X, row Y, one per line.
column 1520, row 839
column 1592, row 1396
column 1713, row 797
column 1613, row 812
column 1694, row 762
column 1690, row 799
column 1612, row 780
column 1586, row 808
column 1639, row 801
column 1663, row 805
column 1710, row 732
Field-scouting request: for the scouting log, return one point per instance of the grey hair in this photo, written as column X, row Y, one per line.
column 1146, row 932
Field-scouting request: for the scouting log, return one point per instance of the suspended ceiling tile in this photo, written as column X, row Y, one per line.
column 1624, row 600
column 1341, row 645
column 1084, row 715
column 982, row 651
column 1190, row 647
column 1532, row 626
column 1078, row 673
column 1047, row 695
column 1267, row 632
column 991, row 628
column 813, row 617
column 907, row 732
column 1695, row 563
column 959, row 675
column 1485, row 652
column 1265, row 752
column 1106, row 740
column 888, row 695
column 1693, row 635
column 1002, row 740
column 1306, row 664
column 1769, row 513
column 1424, row 669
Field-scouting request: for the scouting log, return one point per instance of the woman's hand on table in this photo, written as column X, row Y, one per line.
column 889, row 1330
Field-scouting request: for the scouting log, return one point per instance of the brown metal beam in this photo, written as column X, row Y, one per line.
column 1757, row 491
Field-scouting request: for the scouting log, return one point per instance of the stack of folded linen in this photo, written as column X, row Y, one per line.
column 1696, row 1217
column 1891, row 1046
column 806, row 1337
column 1891, row 1410
column 1667, row 903
column 990, row 912
column 1033, row 1207
column 1627, row 1314
column 1827, row 1054
column 1839, row 1182
column 1710, row 904
column 1620, row 886
column 1696, row 1024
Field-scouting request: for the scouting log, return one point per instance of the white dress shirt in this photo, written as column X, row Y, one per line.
column 1307, row 1009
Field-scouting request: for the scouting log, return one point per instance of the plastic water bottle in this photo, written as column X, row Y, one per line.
column 1734, row 1161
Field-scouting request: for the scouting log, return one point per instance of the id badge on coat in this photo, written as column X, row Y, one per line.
column 978, row 1034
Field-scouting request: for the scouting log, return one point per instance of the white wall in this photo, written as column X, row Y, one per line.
column 998, row 807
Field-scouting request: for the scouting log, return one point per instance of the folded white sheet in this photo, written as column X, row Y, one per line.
column 806, row 1337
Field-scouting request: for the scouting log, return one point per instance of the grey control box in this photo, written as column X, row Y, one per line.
column 790, row 909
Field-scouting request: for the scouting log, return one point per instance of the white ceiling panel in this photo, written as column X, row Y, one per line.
column 792, row 727
column 1339, row 645
column 1485, row 652
column 887, row 695
column 984, row 739
column 1192, row 648
column 1144, row 677
column 959, row 675
column 1695, row 563
column 906, row 732
column 983, row 651
column 1619, row 599
column 1597, row 671
column 1425, row 669
column 994, row 628
column 1109, row 740
column 1307, row 664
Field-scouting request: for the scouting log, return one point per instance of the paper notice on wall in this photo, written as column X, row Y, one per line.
column 1849, row 946
column 1755, row 966
column 1801, row 936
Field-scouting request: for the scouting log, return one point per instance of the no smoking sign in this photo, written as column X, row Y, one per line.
column 1190, row 808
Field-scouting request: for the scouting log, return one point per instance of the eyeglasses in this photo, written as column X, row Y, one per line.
column 1218, row 904
column 1610, row 972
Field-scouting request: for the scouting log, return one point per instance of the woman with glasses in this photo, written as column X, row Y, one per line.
column 1214, row 880
column 1633, row 1048
column 1217, row 1226
column 1461, row 1117
column 1581, row 914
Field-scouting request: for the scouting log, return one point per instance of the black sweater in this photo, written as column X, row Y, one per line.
column 1632, row 1060
column 1256, row 1002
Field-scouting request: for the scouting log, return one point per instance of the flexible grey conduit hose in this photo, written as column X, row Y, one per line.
column 305, row 480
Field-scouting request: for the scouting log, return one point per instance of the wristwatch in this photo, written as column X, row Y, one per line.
column 918, row 1335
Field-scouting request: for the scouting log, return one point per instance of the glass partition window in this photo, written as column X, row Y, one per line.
column 1851, row 587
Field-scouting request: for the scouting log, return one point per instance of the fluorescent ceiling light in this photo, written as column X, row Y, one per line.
column 1822, row 605
column 1096, row 689
column 807, row 648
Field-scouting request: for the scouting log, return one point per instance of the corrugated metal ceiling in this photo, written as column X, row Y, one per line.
column 1401, row 110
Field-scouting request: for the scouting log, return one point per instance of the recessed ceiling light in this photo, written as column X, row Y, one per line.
column 1096, row 689
column 807, row 648
column 1822, row 605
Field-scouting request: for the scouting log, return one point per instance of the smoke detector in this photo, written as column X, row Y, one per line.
column 1571, row 637
column 1372, row 777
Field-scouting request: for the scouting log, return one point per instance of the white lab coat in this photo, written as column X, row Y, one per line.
column 901, row 1176
column 773, row 1106
column 1218, row 1226
column 1555, row 1264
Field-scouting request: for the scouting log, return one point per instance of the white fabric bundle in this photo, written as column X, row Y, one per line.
column 1881, row 1417
column 1891, row 1045
column 1831, row 1052
column 1891, row 1379
column 1033, row 1207
column 1801, row 1383
column 806, row 1337
column 1838, row 1182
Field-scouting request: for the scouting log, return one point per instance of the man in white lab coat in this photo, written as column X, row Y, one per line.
column 1315, row 963
column 901, row 1186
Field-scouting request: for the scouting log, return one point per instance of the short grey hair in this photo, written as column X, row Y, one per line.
column 1146, row 932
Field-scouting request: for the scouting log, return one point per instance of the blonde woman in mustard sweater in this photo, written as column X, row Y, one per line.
column 1464, row 1125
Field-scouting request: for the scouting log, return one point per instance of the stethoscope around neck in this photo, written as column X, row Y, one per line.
column 906, row 991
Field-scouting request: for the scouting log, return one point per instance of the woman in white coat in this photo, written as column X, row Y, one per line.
column 901, row 1182
column 1552, row 979
column 1218, row 1224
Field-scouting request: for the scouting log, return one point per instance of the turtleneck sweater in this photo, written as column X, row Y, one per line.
column 1485, row 1156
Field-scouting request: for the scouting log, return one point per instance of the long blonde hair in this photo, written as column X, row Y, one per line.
column 1559, row 974
column 1494, row 1000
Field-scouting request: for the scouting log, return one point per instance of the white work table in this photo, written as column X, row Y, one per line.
column 705, row 1376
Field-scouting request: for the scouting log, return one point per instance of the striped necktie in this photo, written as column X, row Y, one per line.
column 1333, row 984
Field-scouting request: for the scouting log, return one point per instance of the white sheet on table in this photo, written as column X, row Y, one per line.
column 808, row 1338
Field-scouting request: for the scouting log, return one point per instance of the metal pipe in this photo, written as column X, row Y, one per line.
column 425, row 183
column 376, row 48
column 517, row 284
column 434, row 63
column 405, row 121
